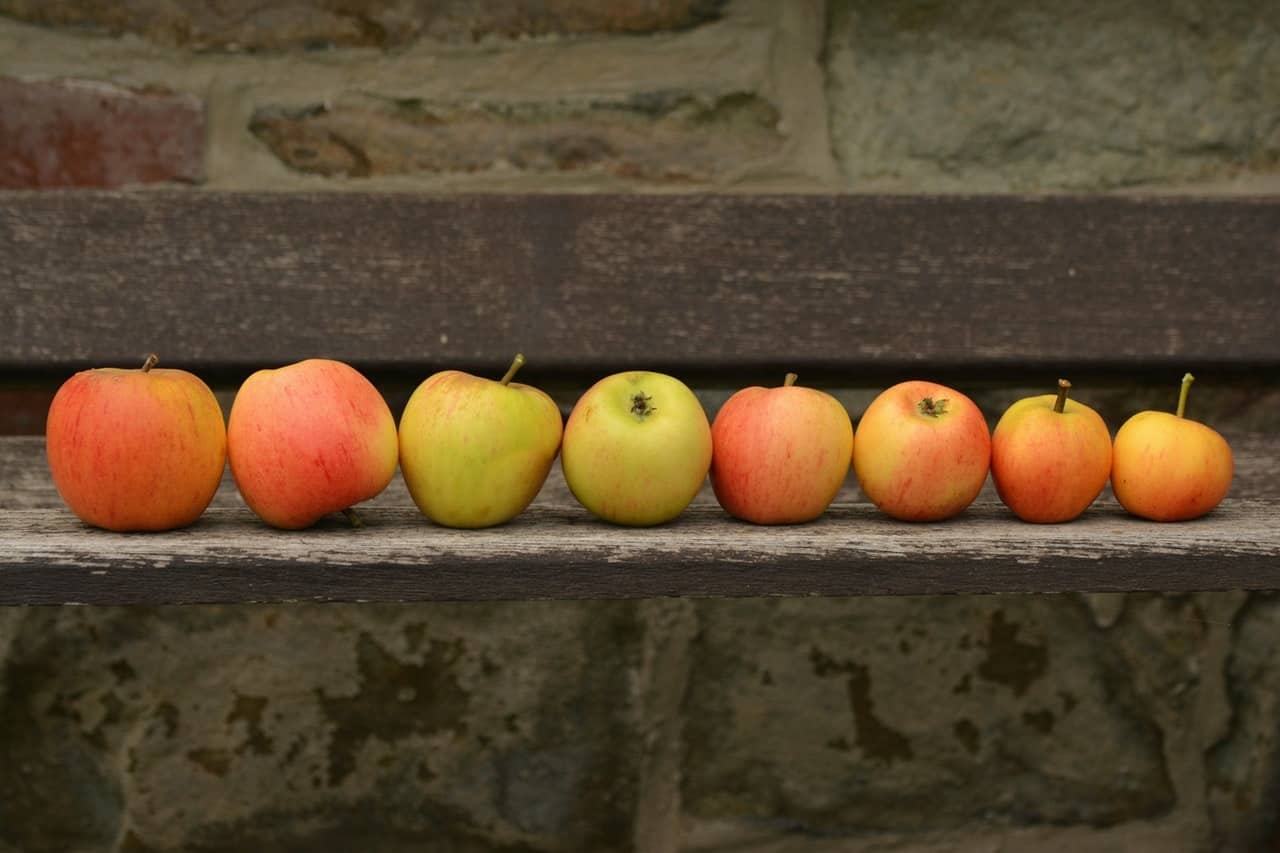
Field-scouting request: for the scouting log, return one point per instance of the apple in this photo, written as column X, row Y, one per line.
column 136, row 449
column 309, row 439
column 921, row 451
column 475, row 452
column 1050, row 457
column 637, row 447
column 780, row 455
column 1167, row 468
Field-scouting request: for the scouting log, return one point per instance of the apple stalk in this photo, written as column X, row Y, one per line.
column 516, row 364
column 151, row 361
column 1182, row 395
column 1060, row 404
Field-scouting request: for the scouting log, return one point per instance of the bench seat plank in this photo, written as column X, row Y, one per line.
column 556, row 550
column 47, row 557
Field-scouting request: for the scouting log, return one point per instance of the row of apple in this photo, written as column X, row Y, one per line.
column 145, row 449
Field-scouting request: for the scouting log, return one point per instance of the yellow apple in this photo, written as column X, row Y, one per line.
column 1050, row 457
column 921, row 451
column 1165, row 467
column 309, row 439
column 136, row 449
column 475, row 452
column 636, row 448
column 780, row 455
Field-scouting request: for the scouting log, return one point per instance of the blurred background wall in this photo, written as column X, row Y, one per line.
column 1038, row 723
column 897, row 95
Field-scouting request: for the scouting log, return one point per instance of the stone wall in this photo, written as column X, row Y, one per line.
column 1135, row 723
column 538, row 95
column 1056, row 723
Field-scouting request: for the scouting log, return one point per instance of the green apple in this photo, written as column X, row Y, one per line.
column 637, row 448
column 1166, row 467
column 474, row 451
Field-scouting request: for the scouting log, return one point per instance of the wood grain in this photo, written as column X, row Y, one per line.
column 680, row 283
column 47, row 557
column 556, row 550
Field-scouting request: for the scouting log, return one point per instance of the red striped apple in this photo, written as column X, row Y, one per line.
column 780, row 455
column 309, row 439
column 475, row 452
column 921, row 451
column 1050, row 457
column 636, row 448
column 136, row 449
column 1165, row 467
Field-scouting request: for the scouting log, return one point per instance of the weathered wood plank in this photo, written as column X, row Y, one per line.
column 595, row 283
column 46, row 557
column 556, row 550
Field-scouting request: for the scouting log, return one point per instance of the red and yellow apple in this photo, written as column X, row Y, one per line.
column 475, row 452
column 636, row 448
column 309, row 439
column 136, row 449
column 1050, row 457
column 780, row 455
column 921, row 451
column 1165, row 467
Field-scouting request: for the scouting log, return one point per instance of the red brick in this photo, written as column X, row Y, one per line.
column 71, row 133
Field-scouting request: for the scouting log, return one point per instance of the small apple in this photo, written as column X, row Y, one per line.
column 136, row 449
column 921, row 451
column 475, row 452
column 636, row 448
column 780, row 455
column 309, row 439
column 1167, row 468
column 1050, row 457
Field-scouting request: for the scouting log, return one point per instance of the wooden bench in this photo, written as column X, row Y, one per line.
column 722, row 291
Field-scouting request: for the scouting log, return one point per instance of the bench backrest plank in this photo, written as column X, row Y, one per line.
column 592, row 283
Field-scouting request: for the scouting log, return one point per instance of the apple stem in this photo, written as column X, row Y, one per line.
column 353, row 517
column 1182, row 395
column 1061, row 403
column 640, row 405
column 516, row 364
column 929, row 407
column 790, row 380
column 152, row 361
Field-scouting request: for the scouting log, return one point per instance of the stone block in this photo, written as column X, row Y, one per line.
column 658, row 138
column 253, row 25
column 1014, row 95
column 855, row 717
column 443, row 727
column 1244, row 767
